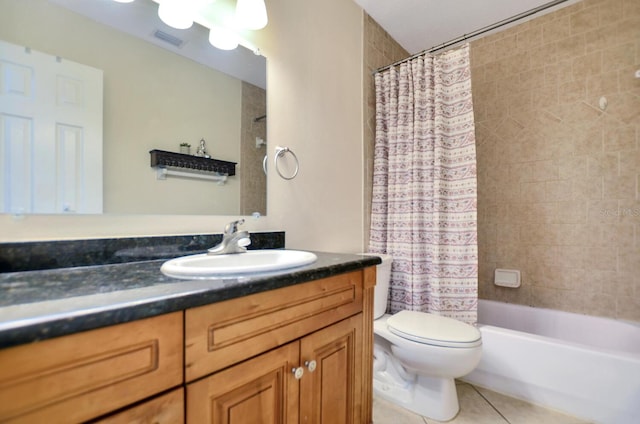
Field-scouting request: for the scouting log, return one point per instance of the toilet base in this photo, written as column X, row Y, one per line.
column 432, row 397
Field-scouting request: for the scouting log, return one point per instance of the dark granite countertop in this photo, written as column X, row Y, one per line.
column 37, row 305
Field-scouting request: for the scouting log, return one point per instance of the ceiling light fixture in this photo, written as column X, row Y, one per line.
column 223, row 38
column 177, row 14
column 251, row 14
column 225, row 23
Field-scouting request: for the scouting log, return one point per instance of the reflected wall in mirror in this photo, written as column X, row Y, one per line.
column 156, row 98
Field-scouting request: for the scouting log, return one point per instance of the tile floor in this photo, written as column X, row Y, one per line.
column 477, row 406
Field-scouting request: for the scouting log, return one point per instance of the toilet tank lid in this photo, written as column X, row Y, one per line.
column 433, row 329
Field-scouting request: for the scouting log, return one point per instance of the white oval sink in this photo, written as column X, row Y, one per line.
column 251, row 262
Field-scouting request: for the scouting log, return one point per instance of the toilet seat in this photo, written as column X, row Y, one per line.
column 433, row 330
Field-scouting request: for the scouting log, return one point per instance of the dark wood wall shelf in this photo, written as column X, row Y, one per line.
column 162, row 158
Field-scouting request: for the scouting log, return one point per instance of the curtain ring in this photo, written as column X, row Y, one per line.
column 280, row 151
column 264, row 164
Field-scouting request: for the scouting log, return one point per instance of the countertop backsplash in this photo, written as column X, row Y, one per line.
column 42, row 255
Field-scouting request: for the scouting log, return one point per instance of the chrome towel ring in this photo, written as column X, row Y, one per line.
column 280, row 152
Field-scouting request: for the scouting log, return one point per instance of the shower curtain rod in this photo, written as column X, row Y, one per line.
column 475, row 33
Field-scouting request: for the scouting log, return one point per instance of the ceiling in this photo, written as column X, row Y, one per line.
column 140, row 19
column 416, row 24
column 421, row 24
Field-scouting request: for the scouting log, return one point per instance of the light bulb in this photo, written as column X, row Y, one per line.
column 124, row 1
column 223, row 38
column 251, row 14
column 176, row 14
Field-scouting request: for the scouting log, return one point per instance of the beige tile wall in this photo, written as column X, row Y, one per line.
column 379, row 50
column 558, row 177
column 253, row 181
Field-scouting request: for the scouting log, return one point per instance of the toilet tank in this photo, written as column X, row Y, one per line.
column 383, row 276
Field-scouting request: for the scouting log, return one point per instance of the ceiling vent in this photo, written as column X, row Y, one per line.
column 168, row 38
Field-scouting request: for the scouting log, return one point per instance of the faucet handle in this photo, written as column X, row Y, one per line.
column 232, row 227
column 244, row 242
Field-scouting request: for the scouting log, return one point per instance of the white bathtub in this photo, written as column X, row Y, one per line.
column 586, row 366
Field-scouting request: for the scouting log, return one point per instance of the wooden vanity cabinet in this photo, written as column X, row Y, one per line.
column 163, row 409
column 300, row 354
column 258, row 390
column 82, row 376
column 332, row 393
column 316, row 379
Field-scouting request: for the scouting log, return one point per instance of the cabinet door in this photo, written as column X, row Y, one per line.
column 331, row 393
column 262, row 390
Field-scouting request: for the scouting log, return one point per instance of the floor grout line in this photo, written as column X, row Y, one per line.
column 489, row 402
column 476, row 410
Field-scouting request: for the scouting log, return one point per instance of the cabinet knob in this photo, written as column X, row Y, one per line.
column 297, row 372
column 311, row 365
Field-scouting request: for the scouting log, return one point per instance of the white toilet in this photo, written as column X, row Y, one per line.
column 418, row 355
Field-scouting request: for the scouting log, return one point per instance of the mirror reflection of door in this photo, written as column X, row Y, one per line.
column 156, row 96
column 50, row 133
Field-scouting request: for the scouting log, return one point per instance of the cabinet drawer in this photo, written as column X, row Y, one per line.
column 85, row 375
column 165, row 409
column 225, row 333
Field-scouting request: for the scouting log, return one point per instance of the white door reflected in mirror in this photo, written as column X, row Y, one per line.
column 51, row 143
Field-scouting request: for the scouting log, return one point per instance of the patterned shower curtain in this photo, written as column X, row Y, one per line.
column 424, row 184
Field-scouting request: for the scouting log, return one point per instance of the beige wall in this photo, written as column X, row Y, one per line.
column 253, row 197
column 314, row 52
column 558, row 178
column 314, row 107
column 153, row 99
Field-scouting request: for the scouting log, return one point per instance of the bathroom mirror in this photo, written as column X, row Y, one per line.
column 161, row 87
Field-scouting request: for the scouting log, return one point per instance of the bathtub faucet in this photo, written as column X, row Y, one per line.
column 233, row 241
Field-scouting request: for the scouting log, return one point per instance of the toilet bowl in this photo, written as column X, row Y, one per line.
column 418, row 355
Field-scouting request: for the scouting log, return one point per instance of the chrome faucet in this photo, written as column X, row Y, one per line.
column 233, row 241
